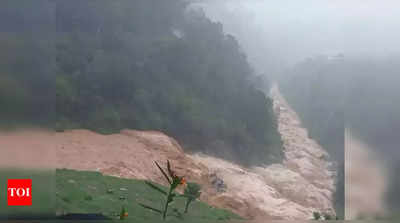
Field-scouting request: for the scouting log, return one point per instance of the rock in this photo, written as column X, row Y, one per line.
column 218, row 183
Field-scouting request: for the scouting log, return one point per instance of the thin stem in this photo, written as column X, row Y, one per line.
column 166, row 203
column 187, row 205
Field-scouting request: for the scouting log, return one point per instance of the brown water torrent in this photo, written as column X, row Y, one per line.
column 365, row 182
column 293, row 190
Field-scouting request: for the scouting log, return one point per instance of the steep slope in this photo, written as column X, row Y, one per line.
column 292, row 190
column 129, row 154
column 303, row 183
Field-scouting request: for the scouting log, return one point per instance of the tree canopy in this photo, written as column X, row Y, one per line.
column 144, row 64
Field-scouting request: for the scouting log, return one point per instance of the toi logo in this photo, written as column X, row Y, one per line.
column 19, row 192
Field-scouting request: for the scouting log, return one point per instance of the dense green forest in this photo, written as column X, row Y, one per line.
column 27, row 64
column 331, row 93
column 142, row 64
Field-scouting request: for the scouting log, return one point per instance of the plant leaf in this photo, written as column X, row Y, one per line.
column 171, row 173
column 176, row 214
column 171, row 197
column 162, row 171
column 155, row 187
column 151, row 208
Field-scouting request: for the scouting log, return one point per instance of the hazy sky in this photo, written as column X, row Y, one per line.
column 277, row 33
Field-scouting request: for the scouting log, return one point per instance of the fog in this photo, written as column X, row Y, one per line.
column 292, row 41
column 200, row 73
column 275, row 34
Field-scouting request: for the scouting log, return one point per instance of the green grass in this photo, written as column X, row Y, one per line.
column 89, row 192
column 43, row 189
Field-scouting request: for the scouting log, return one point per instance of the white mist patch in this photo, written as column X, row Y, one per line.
column 365, row 181
column 178, row 33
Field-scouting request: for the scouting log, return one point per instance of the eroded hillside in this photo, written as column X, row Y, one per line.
column 294, row 189
column 303, row 183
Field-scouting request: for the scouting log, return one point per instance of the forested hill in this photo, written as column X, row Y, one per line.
column 141, row 64
column 315, row 88
column 360, row 93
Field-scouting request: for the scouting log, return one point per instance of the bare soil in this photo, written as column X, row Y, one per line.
column 303, row 183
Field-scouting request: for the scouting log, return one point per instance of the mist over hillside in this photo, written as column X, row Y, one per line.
column 201, row 70
column 337, row 63
column 145, row 65
column 365, row 94
column 279, row 34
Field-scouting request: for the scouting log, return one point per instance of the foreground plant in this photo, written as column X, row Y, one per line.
column 192, row 192
column 174, row 181
column 316, row 215
column 123, row 214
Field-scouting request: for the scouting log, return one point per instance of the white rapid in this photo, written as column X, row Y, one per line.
column 293, row 190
